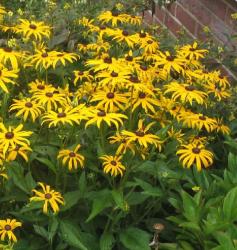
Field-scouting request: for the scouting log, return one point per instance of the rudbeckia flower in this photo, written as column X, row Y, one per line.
column 5, row 77
column 195, row 154
column 13, row 152
column 218, row 92
column 192, row 52
column 6, row 229
column 49, row 197
column 112, row 164
column 82, row 76
column 123, row 36
column 112, row 16
column 72, row 158
column 7, row 54
column 62, row 57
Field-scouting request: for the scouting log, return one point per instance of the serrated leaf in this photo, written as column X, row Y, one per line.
column 106, row 241
column 71, row 235
column 135, row 239
column 71, row 199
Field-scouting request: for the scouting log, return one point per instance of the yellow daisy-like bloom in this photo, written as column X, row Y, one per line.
column 7, row 54
column 17, row 150
column 112, row 164
column 192, row 52
column 134, row 20
column 123, row 36
column 42, row 59
column 195, row 154
column 149, row 45
column 124, row 144
column 68, row 115
column 2, row 10
column 5, row 77
column 111, row 16
column 177, row 135
column 185, row 93
column 220, row 127
column 49, row 99
column 3, row 172
column 109, row 100
column 62, row 57
column 33, row 29
column 39, row 85
column 27, row 108
column 221, row 80
column 98, row 116
column 7, row 227
column 71, row 158
column 12, row 137
column 218, row 92
column 50, row 197
column 142, row 135
column 146, row 100
column 100, row 46
column 169, row 62
column 82, row 76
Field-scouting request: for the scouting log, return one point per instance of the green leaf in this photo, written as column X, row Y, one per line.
column 47, row 163
column 71, row 199
column 30, row 182
column 232, row 162
column 190, row 225
column 82, row 183
column 185, row 245
column 135, row 239
column 230, row 204
column 106, row 241
column 53, row 227
column 118, row 198
column 71, row 235
column 191, row 210
column 102, row 200
column 41, row 231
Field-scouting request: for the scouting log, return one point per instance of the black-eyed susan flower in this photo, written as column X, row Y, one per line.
column 22, row 151
column 124, row 143
column 49, row 197
column 134, row 20
column 98, row 116
column 150, row 46
column 100, row 46
column 62, row 57
column 7, row 227
column 8, row 55
column 221, row 80
column 2, row 10
column 3, row 172
column 185, row 93
column 12, row 137
column 123, row 36
column 82, row 76
column 176, row 134
column 192, row 51
column 112, row 164
column 40, row 85
column 142, row 135
column 169, row 62
column 42, row 58
column 67, row 115
column 221, row 127
column 109, row 99
column 111, row 16
column 26, row 108
column 71, row 158
column 195, row 154
column 6, row 77
column 218, row 92
column 49, row 99
column 33, row 29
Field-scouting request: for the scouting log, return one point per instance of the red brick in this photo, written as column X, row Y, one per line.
column 229, row 20
column 186, row 19
column 172, row 24
column 160, row 14
column 218, row 7
column 148, row 17
column 231, row 3
column 200, row 34
column 172, row 8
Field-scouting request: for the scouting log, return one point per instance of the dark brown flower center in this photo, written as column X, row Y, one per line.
column 221, row 77
column 202, row 117
column 129, row 58
column 115, row 13
column 9, row 135
column 190, row 88
column 142, row 95
column 48, row 196
column 125, row 33
column 49, row 94
column 142, row 34
column 101, row 113
column 61, row 115
column 170, row 58
column 41, row 87
column 72, row 154
column 33, row 26
column 149, row 41
column 8, row 228
column 108, row 60
column 44, row 55
column 134, row 79
column 110, row 95
column 114, row 74
column 192, row 49
column 114, row 163
column 139, row 133
column 7, row 49
column 196, row 150
column 143, row 67
column 102, row 27
column 80, row 73
column 28, row 104
column 60, row 55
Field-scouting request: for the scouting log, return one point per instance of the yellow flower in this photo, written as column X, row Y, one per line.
column 195, row 154
column 218, row 92
column 27, row 107
column 196, row 188
column 71, row 158
column 62, row 57
column 98, row 116
column 134, row 20
column 112, row 164
column 50, row 197
column 42, row 59
column 111, row 16
column 123, row 36
column 12, row 137
column 3, row 172
column 192, row 52
column 177, row 135
column 33, row 29
column 81, row 76
column 38, row 86
column 220, row 127
column 143, row 136
column 185, row 92
column 109, row 100
column 68, row 115
column 149, row 45
column 7, row 227
column 13, row 152
column 5, row 77
column 7, row 54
